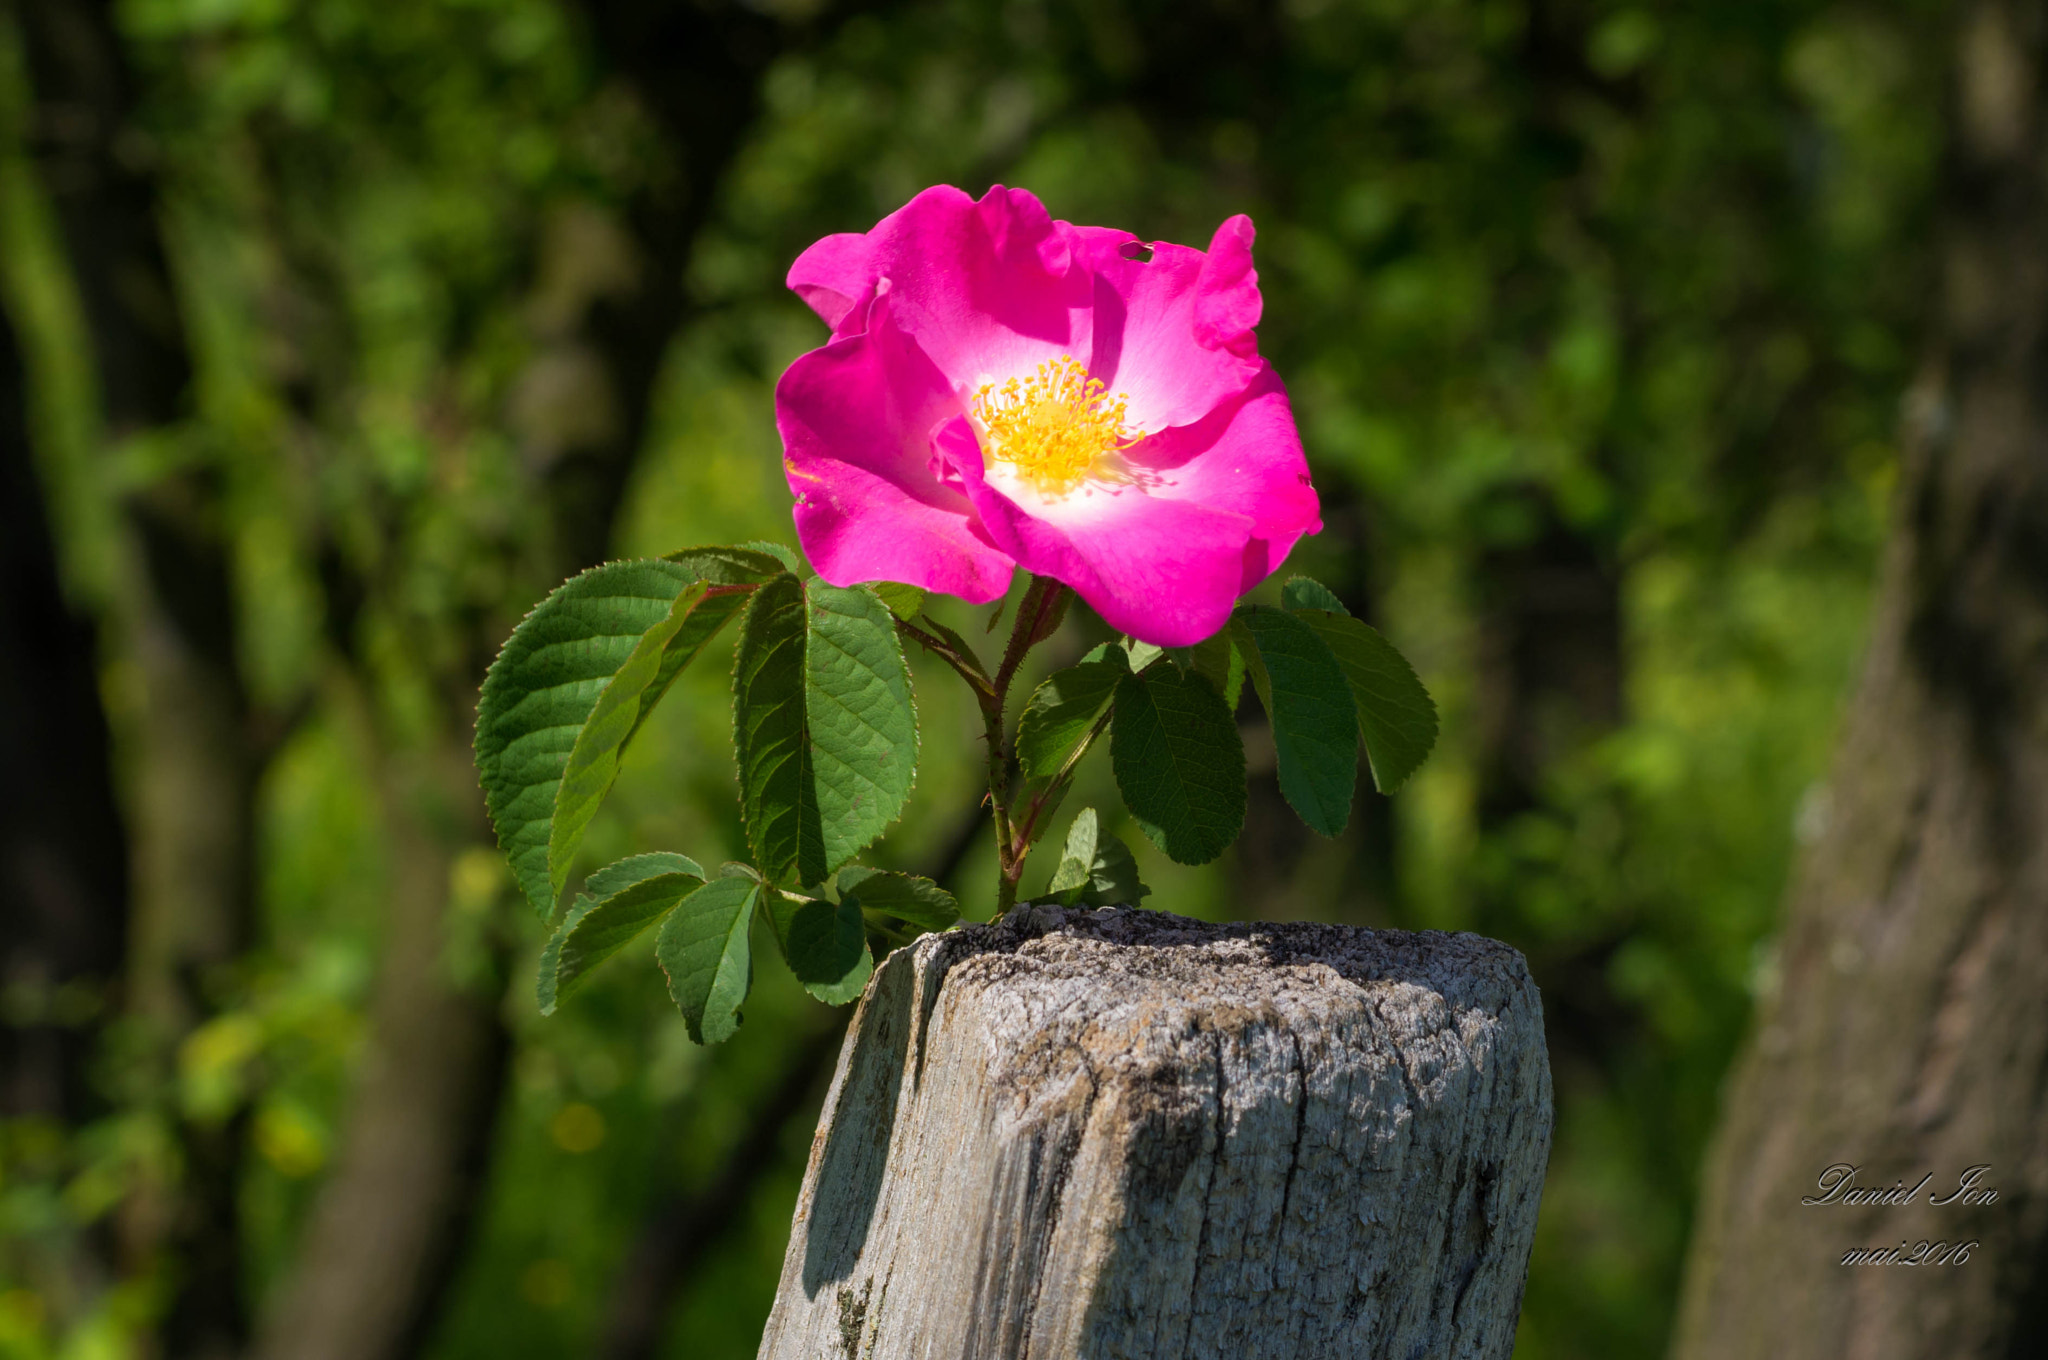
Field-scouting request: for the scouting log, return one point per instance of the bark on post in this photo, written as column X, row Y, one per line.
column 1123, row 1133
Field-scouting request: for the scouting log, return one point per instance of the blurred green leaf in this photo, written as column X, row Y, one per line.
column 1178, row 762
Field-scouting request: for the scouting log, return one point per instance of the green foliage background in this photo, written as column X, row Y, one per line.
column 1587, row 296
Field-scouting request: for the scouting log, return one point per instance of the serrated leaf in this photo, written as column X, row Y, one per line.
column 693, row 620
column 1178, row 762
column 862, row 722
column 541, row 689
column 626, row 872
column 704, row 951
column 823, row 724
column 778, row 794
column 1113, row 878
column 1219, row 661
column 915, row 901
column 595, row 929
column 1096, row 869
column 1301, row 592
column 825, row 944
column 1077, row 856
column 1395, row 713
column 743, row 564
column 1062, row 709
column 547, row 983
column 905, row 602
column 1143, row 654
column 1315, row 724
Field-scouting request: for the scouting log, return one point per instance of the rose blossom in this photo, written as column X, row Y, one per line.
column 1005, row 390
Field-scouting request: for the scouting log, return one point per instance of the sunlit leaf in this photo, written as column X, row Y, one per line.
column 636, row 894
column 542, row 688
column 703, row 949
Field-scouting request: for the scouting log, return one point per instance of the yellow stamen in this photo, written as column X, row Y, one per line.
column 1058, row 428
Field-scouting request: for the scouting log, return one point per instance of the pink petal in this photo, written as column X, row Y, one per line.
column 835, row 277
column 1228, row 304
column 1166, row 571
column 854, row 418
column 1246, row 458
column 1149, row 334
column 987, row 289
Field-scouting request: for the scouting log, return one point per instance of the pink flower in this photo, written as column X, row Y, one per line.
column 1005, row 390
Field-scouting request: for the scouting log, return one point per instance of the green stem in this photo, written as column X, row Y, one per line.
column 1043, row 607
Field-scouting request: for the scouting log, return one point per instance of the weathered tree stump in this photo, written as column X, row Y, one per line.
column 1116, row 1133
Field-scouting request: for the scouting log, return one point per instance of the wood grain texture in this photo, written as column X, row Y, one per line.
column 1124, row 1133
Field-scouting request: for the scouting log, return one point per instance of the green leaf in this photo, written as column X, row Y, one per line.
column 1315, row 725
column 781, row 552
column 747, row 564
column 778, row 795
column 542, row 688
column 1395, row 713
column 547, row 987
column 1113, row 878
column 906, row 897
column 662, row 652
column 1063, row 708
column 1178, row 762
column 823, row 724
column 1302, row 593
column 862, row 722
column 595, row 929
column 626, row 872
column 905, row 602
column 1096, row 869
column 825, row 944
column 703, row 949
column 1218, row 661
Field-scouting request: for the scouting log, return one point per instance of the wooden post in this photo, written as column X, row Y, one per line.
column 1118, row 1133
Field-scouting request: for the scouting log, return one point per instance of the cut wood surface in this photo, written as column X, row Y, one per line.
column 1125, row 1133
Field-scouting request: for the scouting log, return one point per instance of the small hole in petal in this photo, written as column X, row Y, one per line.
column 1136, row 251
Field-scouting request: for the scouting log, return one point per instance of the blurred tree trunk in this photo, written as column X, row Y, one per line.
column 63, row 851
column 1907, row 1034
column 388, row 1230
column 194, row 793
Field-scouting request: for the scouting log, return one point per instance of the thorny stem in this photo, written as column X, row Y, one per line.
column 1038, row 616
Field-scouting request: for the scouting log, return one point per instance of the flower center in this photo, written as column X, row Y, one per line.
column 1057, row 428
